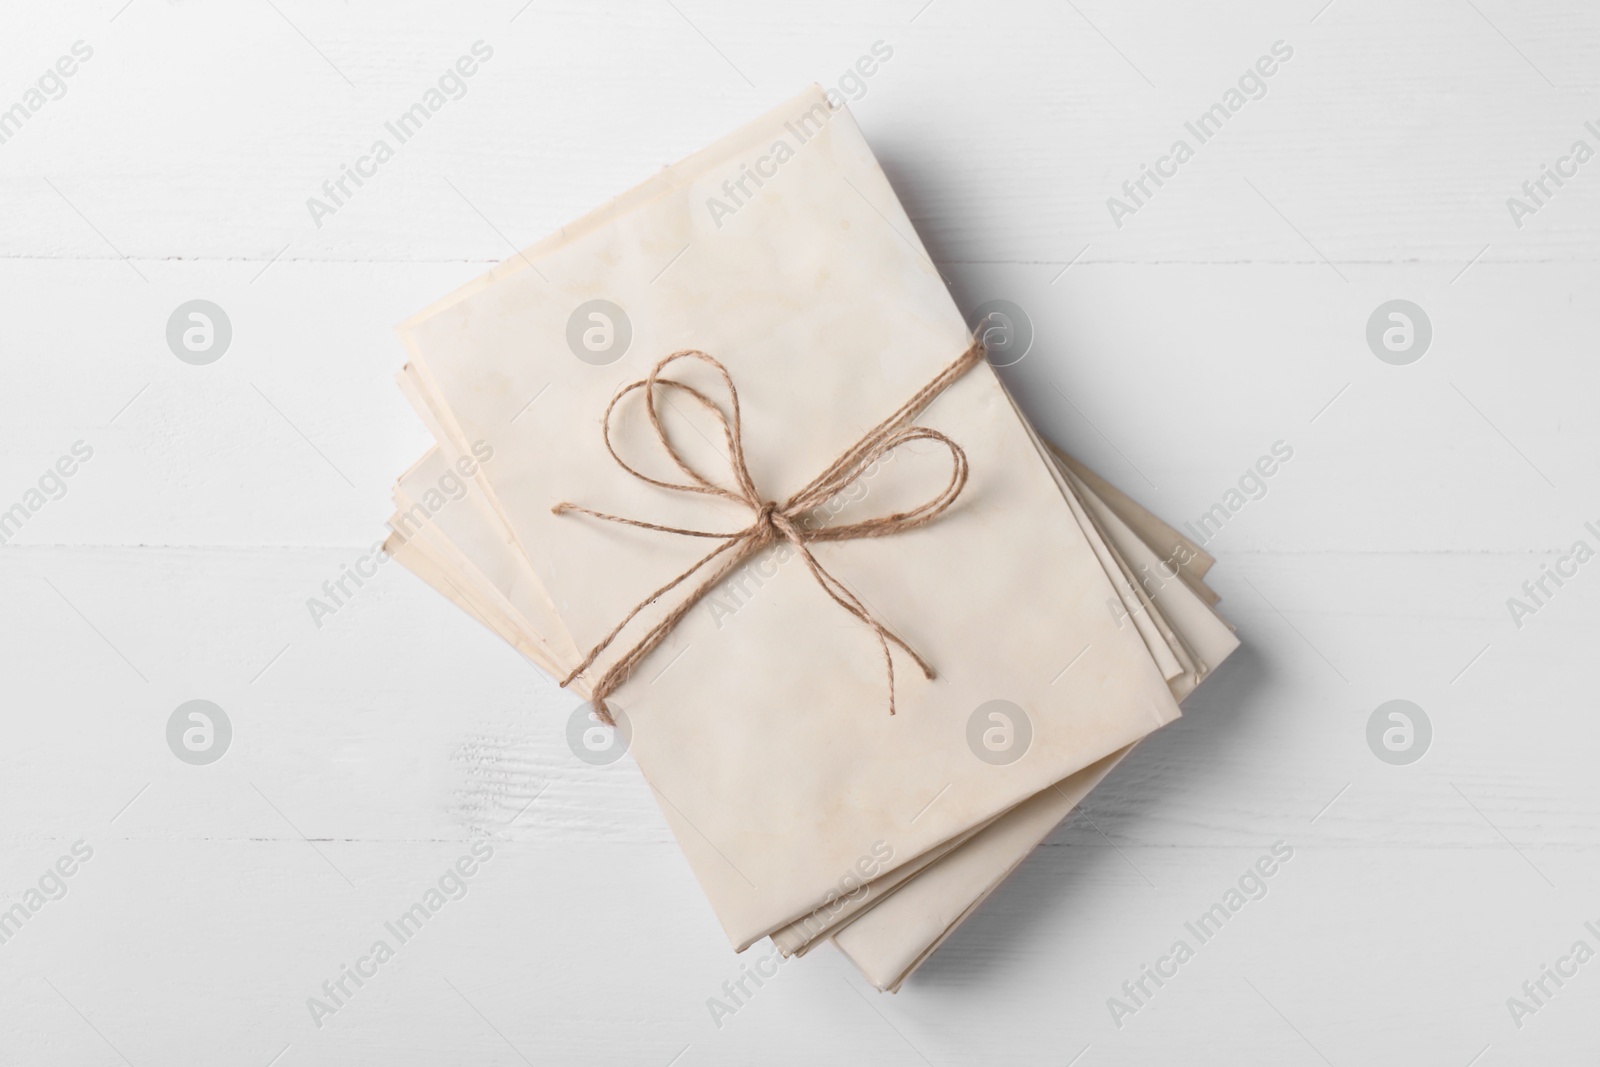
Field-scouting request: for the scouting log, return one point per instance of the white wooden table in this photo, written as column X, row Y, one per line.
column 1227, row 312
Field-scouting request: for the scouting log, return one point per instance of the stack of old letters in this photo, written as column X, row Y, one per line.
column 748, row 483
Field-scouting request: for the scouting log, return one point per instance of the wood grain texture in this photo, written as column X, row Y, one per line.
column 1225, row 315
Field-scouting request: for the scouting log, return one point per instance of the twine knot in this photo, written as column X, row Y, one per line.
column 773, row 521
column 768, row 529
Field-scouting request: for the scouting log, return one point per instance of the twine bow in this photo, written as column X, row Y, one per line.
column 772, row 521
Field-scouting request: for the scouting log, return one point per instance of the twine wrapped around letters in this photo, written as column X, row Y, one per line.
column 772, row 521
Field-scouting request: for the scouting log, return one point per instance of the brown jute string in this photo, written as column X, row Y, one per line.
column 773, row 521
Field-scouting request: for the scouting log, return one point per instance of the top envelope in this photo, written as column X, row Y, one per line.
column 762, row 721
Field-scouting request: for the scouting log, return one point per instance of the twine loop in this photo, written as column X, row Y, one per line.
column 772, row 521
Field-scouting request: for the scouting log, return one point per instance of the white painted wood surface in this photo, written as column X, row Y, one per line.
column 1225, row 315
